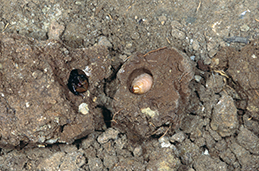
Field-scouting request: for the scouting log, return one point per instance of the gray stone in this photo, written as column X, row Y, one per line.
column 95, row 164
column 228, row 157
column 224, row 116
column 176, row 24
column 214, row 134
column 178, row 137
column 104, row 42
column 107, row 135
column 213, row 52
column 51, row 163
column 162, row 19
column 110, row 161
column 73, row 161
column 244, row 28
column 197, row 78
column 210, row 142
column 246, row 160
column 200, row 142
column 137, row 151
column 205, row 163
column 191, row 123
column 216, row 83
column 128, row 164
column 135, row 35
column 188, row 152
column 164, row 142
column 163, row 159
column 248, row 140
column 2, row 25
column 178, row 34
column 195, row 45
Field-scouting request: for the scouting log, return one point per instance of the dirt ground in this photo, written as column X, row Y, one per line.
column 44, row 126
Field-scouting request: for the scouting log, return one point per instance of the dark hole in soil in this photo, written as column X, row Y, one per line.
column 107, row 116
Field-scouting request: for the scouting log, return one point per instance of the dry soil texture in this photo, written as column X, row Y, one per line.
column 42, row 41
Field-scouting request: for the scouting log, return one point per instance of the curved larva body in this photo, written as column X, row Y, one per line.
column 142, row 83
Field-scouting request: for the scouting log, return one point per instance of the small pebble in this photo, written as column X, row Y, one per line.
column 128, row 45
column 197, row 78
column 83, row 108
column 107, row 135
column 135, row 36
column 192, row 58
column 123, row 57
column 162, row 19
column 103, row 41
column 37, row 74
column 2, row 25
column 178, row 34
column 164, row 142
column 55, row 30
column 178, row 137
column 212, row 53
column 137, row 151
column 195, row 45
column 207, row 61
column 244, row 28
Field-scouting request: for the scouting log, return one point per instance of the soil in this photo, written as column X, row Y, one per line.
column 45, row 126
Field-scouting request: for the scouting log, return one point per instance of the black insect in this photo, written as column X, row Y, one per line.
column 77, row 82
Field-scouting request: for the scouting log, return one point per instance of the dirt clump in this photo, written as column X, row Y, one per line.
column 163, row 105
column 36, row 106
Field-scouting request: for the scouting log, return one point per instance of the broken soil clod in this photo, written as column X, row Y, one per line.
column 164, row 103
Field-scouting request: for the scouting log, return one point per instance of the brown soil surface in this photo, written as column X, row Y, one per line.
column 205, row 117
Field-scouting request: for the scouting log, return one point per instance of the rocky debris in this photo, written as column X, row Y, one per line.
column 143, row 115
column 2, row 25
column 243, row 67
column 95, row 164
column 51, row 163
column 69, row 160
column 138, row 151
column 178, row 137
column 214, row 134
column 224, row 116
column 245, row 159
column 128, row 164
column 205, row 162
column 103, row 41
column 142, row 26
column 90, row 140
column 216, row 83
column 178, row 34
column 13, row 160
column 110, row 161
column 55, row 30
column 163, row 159
column 188, row 152
column 228, row 157
column 210, row 142
column 248, row 140
column 252, row 125
column 106, row 136
column 73, row 160
column 200, row 142
column 164, row 142
column 192, row 124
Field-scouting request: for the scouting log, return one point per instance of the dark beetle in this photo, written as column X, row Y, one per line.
column 77, row 82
